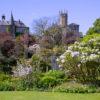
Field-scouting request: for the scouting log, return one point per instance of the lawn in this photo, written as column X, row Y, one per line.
column 47, row 96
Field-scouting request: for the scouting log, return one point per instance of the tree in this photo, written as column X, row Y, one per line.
column 41, row 25
column 56, row 32
column 6, row 64
column 4, row 37
column 8, row 58
column 7, row 48
column 91, row 36
column 95, row 28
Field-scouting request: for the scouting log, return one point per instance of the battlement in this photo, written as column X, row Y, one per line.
column 63, row 18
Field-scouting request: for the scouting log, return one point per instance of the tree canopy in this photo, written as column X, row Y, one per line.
column 95, row 28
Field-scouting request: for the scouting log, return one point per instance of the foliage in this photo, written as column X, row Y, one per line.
column 82, row 60
column 58, row 50
column 52, row 78
column 47, row 41
column 56, row 32
column 7, row 63
column 8, row 56
column 88, row 37
column 72, row 87
column 47, row 82
column 19, row 50
column 46, row 57
column 39, row 64
column 45, row 28
column 29, row 82
column 7, row 48
column 4, row 77
column 32, row 40
column 41, row 25
column 5, row 83
column 6, row 86
column 56, row 73
column 40, row 81
column 95, row 28
column 4, row 37
column 25, row 83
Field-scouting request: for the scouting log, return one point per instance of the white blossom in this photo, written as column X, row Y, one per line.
column 99, row 52
column 84, row 51
column 70, row 48
column 68, row 51
column 62, row 57
column 63, row 61
column 57, row 59
column 60, row 66
column 75, row 54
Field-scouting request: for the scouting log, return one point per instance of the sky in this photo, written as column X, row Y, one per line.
column 82, row 12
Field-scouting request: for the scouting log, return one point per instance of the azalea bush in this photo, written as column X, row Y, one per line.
column 82, row 60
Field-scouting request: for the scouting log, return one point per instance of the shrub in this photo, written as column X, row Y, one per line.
column 7, row 48
column 25, row 83
column 48, row 82
column 82, row 60
column 76, row 88
column 5, row 83
column 6, row 86
column 4, row 77
column 52, row 78
column 39, row 64
column 56, row 74
column 29, row 82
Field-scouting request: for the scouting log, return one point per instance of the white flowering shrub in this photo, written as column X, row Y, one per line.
column 82, row 60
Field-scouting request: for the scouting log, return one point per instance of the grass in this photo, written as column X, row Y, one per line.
column 27, row 95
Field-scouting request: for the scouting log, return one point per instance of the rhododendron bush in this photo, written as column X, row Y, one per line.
column 82, row 60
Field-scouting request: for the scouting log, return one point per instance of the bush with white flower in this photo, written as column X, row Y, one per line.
column 82, row 60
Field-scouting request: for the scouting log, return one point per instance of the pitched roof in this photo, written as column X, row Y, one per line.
column 17, row 23
column 4, row 22
column 73, row 24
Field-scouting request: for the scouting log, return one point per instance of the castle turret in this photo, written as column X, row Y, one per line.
column 63, row 19
column 12, row 26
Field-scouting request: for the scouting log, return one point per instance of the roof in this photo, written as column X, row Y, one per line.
column 73, row 24
column 3, row 22
column 17, row 23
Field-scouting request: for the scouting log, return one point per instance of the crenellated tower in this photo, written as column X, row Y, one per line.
column 63, row 18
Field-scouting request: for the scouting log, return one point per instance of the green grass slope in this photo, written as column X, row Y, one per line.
column 47, row 96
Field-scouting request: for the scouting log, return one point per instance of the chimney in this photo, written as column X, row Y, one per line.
column 3, row 17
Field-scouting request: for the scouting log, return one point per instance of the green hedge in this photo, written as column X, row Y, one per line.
column 76, row 88
column 52, row 79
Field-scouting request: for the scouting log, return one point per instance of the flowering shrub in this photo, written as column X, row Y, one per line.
column 82, row 60
column 70, row 87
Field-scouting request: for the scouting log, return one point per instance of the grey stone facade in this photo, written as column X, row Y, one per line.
column 12, row 26
column 70, row 32
column 64, row 23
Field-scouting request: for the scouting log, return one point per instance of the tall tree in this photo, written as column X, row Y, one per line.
column 41, row 25
column 95, row 28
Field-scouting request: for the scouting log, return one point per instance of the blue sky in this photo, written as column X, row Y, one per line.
column 83, row 12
